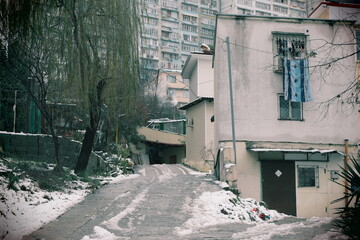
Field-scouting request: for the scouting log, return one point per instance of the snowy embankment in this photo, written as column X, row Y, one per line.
column 22, row 212
column 30, row 207
column 222, row 207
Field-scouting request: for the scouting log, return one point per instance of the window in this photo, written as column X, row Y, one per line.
column 281, row 1
column 189, row 28
column 287, row 45
column 297, row 13
column 189, row 8
column 208, row 12
column 358, row 45
column 263, row 5
column 189, row 18
column 208, row 21
column 280, row 9
column 259, row 13
column 209, row 3
column 170, row 4
column 244, row 11
column 308, row 176
column 298, row 4
column 245, row 2
column 170, row 24
column 186, row 94
column 151, row 21
column 170, row 92
column 151, row 31
column 206, row 31
column 289, row 110
column 171, row 78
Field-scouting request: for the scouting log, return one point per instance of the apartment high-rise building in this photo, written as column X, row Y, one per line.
column 171, row 30
column 282, row 8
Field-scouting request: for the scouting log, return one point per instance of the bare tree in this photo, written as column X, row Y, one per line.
column 27, row 57
column 86, row 51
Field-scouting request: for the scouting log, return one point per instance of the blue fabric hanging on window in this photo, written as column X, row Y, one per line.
column 296, row 80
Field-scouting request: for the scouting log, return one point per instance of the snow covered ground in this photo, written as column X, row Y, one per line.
column 29, row 208
column 24, row 211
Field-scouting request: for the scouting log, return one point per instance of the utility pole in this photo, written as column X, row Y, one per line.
column 231, row 99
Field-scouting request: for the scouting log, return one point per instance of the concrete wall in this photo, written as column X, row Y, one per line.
column 201, row 74
column 256, row 86
column 200, row 137
column 206, row 76
column 40, row 147
column 193, row 86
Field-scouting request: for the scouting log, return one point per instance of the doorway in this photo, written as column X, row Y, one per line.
column 278, row 185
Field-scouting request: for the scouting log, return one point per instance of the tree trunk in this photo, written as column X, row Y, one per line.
column 59, row 163
column 86, row 149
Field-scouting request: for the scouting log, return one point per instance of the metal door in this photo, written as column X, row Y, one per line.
column 278, row 185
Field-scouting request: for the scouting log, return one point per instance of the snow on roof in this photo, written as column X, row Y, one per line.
column 296, row 150
column 165, row 120
column 196, row 101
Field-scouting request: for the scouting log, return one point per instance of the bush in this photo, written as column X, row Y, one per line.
column 349, row 220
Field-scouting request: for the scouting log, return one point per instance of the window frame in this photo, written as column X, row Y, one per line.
column 302, row 183
column 290, row 118
column 289, row 36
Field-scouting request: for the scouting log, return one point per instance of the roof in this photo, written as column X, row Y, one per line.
column 170, row 71
column 195, row 102
column 165, row 120
column 287, row 19
column 335, row 4
column 296, row 150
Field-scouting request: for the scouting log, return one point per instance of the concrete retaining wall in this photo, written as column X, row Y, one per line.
column 40, row 147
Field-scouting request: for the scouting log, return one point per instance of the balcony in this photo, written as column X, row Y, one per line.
column 170, row 5
column 193, row 2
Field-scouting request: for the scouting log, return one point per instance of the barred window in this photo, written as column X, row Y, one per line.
column 287, row 45
column 289, row 110
column 308, row 176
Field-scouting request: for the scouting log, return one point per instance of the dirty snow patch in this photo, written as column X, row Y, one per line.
column 222, row 207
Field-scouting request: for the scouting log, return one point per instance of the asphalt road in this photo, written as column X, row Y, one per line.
column 151, row 206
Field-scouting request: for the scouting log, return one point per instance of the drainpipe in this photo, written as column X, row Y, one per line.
column 231, row 98
column 346, row 142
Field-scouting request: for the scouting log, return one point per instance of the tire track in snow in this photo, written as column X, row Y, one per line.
column 181, row 169
column 158, row 171
column 112, row 223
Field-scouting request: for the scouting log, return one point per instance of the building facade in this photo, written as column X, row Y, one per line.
column 200, row 152
column 282, row 8
column 282, row 150
column 171, row 30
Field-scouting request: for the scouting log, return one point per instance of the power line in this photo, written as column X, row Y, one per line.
column 242, row 46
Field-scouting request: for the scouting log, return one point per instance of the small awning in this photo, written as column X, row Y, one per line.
column 296, row 150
